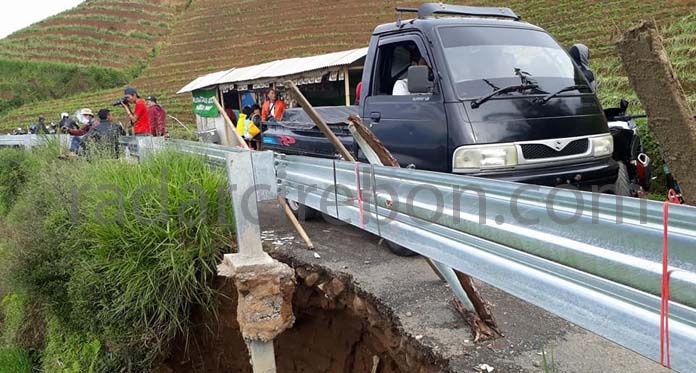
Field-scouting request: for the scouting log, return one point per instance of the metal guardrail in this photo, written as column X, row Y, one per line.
column 593, row 259
column 597, row 267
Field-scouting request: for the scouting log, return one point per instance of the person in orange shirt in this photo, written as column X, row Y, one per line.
column 272, row 107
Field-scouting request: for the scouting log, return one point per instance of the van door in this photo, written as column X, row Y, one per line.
column 413, row 127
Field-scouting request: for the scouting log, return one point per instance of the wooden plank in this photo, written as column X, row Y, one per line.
column 222, row 104
column 467, row 299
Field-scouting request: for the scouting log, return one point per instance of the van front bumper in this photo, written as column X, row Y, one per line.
column 600, row 174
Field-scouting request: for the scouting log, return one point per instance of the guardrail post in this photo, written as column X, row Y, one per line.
column 265, row 286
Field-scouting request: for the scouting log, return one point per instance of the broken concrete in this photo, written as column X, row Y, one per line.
column 670, row 119
column 265, row 288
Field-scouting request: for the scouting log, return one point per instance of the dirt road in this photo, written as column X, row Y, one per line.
column 422, row 304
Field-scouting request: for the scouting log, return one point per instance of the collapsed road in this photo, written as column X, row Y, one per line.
column 412, row 300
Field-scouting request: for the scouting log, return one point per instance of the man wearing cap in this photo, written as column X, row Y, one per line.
column 77, row 133
column 138, row 117
column 104, row 135
column 158, row 117
column 66, row 123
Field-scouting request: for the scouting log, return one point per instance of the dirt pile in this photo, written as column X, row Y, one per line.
column 338, row 328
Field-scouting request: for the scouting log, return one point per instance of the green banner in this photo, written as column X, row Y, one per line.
column 203, row 104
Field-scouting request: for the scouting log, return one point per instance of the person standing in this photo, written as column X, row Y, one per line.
column 138, row 116
column 158, row 117
column 273, row 107
column 66, row 123
column 77, row 133
column 104, row 136
column 581, row 56
column 40, row 126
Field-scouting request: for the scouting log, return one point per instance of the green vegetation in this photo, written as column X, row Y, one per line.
column 118, row 257
column 24, row 82
column 15, row 360
column 548, row 363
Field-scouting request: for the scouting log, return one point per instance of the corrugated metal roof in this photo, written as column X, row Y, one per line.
column 203, row 81
column 276, row 69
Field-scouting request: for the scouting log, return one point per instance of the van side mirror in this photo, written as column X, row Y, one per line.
column 419, row 79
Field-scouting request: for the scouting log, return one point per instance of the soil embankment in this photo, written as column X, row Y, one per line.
column 339, row 328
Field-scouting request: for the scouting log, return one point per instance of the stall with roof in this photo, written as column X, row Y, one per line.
column 325, row 80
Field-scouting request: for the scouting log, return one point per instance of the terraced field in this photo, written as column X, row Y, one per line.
column 213, row 35
column 110, row 33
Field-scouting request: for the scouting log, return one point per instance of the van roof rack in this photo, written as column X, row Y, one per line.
column 428, row 9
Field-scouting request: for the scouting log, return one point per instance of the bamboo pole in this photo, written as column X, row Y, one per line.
column 240, row 141
column 295, row 223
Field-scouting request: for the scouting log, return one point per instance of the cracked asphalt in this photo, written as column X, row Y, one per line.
column 422, row 303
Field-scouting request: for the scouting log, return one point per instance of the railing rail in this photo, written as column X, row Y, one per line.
column 593, row 259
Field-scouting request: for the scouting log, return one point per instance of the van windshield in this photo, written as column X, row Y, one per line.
column 482, row 59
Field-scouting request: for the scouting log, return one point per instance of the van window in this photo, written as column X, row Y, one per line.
column 393, row 62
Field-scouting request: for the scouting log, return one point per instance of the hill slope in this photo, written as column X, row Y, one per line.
column 108, row 33
column 212, row 35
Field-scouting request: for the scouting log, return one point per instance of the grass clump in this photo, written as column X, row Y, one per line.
column 15, row 168
column 119, row 255
column 15, row 360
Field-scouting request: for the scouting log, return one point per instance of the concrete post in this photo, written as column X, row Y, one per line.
column 264, row 285
column 671, row 121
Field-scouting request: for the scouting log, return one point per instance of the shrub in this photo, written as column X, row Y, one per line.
column 24, row 81
column 15, row 360
column 13, row 307
column 68, row 351
column 15, row 169
column 151, row 241
column 120, row 253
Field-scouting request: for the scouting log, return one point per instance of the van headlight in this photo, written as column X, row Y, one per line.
column 484, row 157
column 602, row 146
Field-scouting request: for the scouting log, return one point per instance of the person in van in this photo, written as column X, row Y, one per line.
column 401, row 85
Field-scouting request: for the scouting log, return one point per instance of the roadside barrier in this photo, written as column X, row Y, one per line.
column 593, row 259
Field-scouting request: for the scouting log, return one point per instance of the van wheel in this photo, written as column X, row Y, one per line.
column 398, row 249
column 622, row 186
column 302, row 212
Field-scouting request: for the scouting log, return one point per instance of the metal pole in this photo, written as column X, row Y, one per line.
column 346, row 85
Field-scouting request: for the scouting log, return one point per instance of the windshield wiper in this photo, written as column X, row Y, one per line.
column 548, row 97
column 512, row 88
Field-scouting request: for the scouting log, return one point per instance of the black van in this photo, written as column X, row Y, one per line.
column 474, row 92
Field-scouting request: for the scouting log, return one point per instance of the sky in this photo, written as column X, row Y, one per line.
column 17, row 14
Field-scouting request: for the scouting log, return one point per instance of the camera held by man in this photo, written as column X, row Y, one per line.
column 139, row 117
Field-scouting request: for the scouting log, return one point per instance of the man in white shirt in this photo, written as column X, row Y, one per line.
column 401, row 85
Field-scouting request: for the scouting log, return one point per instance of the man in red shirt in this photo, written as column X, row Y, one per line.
column 272, row 107
column 158, row 117
column 139, row 117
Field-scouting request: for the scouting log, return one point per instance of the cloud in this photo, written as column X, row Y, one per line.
column 16, row 15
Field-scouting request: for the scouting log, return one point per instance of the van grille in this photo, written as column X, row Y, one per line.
column 538, row 151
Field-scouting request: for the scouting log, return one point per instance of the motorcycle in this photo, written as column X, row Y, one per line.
column 635, row 166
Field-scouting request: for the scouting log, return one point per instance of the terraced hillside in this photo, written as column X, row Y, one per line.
column 98, row 44
column 213, row 35
column 108, row 33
